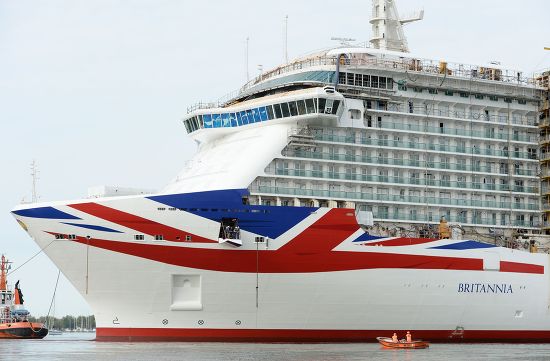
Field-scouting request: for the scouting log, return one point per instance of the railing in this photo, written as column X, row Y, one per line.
column 404, row 162
column 395, row 198
column 459, row 132
column 456, row 114
column 403, row 180
column 424, row 66
column 423, row 146
column 201, row 105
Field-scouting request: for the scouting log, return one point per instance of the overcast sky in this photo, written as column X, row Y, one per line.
column 94, row 90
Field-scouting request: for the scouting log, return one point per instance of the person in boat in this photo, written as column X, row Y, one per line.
column 394, row 337
column 409, row 337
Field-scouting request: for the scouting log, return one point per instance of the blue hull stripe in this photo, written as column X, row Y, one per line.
column 94, row 227
column 44, row 212
column 268, row 221
column 366, row 237
column 465, row 245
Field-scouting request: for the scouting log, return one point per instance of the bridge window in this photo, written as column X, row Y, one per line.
column 250, row 116
column 286, row 111
column 244, row 118
column 233, row 119
column 366, row 81
column 293, row 109
column 374, row 82
column 335, row 105
column 322, row 102
column 270, row 114
column 217, row 120
column 301, row 107
column 278, row 111
column 310, row 106
column 207, row 118
column 263, row 113
column 258, row 114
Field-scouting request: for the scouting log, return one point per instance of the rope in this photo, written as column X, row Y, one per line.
column 45, row 324
column 53, row 296
column 27, row 261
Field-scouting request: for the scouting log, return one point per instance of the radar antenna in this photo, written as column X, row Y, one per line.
column 343, row 41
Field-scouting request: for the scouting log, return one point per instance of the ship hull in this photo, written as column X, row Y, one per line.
column 23, row 330
column 319, row 278
column 312, row 336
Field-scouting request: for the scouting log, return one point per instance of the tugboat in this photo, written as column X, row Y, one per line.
column 14, row 318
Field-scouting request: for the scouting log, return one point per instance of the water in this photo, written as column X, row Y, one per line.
column 81, row 347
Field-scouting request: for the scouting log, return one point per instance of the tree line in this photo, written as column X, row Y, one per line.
column 68, row 322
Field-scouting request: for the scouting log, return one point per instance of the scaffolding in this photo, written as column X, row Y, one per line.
column 543, row 81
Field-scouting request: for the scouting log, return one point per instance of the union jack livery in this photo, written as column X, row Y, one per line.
column 316, row 210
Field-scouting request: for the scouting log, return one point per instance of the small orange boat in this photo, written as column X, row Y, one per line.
column 14, row 318
column 387, row 342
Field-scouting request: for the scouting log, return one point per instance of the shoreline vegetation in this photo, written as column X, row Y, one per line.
column 67, row 323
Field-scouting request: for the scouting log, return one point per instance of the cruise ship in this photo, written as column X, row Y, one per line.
column 347, row 194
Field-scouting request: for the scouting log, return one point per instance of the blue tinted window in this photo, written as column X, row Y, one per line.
column 225, row 120
column 233, row 119
column 257, row 116
column 263, row 113
column 217, row 120
column 250, row 116
column 239, row 119
column 244, row 117
column 207, row 120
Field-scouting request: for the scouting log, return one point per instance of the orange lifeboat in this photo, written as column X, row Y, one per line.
column 387, row 342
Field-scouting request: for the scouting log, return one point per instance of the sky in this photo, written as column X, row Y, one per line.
column 94, row 91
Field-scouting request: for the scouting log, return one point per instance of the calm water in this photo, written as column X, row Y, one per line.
column 81, row 347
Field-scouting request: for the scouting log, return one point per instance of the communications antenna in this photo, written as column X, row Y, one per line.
column 246, row 56
column 34, row 175
column 285, row 39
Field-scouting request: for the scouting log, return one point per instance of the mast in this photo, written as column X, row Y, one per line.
column 387, row 26
column 34, row 174
column 3, row 270
column 285, row 39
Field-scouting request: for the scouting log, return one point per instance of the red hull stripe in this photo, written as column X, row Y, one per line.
column 282, row 262
column 263, row 335
column 400, row 242
column 250, row 261
column 137, row 223
column 506, row 266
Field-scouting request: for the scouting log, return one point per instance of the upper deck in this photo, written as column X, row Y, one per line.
column 320, row 68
